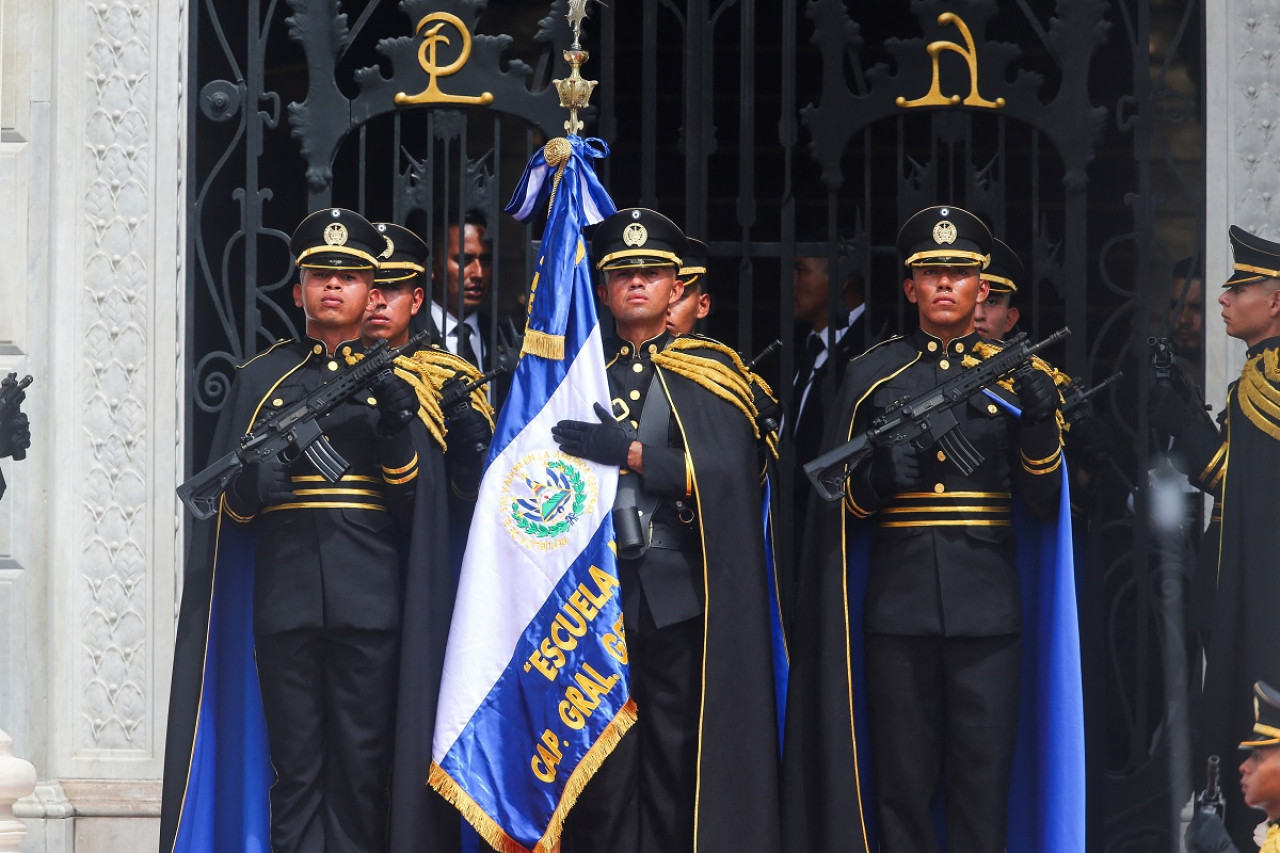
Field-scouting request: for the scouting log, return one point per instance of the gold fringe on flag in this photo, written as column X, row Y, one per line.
column 493, row 834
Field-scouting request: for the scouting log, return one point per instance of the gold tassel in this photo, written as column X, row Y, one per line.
column 543, row 345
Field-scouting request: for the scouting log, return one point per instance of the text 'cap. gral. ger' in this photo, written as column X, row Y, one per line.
column 336, row 238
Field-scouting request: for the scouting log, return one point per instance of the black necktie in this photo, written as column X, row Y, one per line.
column 813, row 347
column 465, row 349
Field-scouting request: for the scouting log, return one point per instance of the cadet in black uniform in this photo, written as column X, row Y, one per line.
column 699, row 767
column 1238, row 466
column 942, row 615
column 326, row 570
column 695, row 303
column 996, row 315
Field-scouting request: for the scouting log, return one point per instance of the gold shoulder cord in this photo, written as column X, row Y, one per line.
column 426, row 371
column 1259, row 397
column 724, row 381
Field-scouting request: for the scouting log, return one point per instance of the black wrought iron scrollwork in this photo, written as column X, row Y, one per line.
column 769, row 130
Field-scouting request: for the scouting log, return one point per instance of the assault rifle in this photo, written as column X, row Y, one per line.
column 294, row 431
column 1210, row 799
column 926, row 420
column 454, row 394
column 1167, row 367
column 11, row 394
column 1075, row 397
column 765, row 353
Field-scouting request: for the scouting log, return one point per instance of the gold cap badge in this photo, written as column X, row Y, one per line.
column 944, row 233
column 390, row 250
column 335, row 234
column 635, row 234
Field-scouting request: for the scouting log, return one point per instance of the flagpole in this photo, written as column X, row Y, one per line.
column 575, row 92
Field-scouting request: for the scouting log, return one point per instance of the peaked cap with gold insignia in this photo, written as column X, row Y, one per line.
column 1005, row 270
column 1266, row 716
column 638, row 237
column 336, row 238
column 694, row 269
column 1254, row 258
column 404, row 257
column 945, row 235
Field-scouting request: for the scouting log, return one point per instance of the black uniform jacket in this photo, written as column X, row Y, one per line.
column 716, row 468
column 1242, row 644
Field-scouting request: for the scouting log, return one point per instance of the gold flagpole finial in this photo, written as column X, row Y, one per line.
column 575, row 92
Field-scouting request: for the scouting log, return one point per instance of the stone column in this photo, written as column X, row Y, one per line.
column 1242, row 151
column 17, row 779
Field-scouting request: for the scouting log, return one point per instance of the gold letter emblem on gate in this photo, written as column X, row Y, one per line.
column 427, row 59
column 934, row 97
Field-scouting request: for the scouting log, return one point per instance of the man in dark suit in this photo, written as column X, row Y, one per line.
column 825, row 350
column 461, row 276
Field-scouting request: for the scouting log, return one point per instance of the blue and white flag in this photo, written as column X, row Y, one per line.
column 535, row 690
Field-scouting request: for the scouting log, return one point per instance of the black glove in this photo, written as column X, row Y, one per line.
column 607, row 443
column 1206, row 834
column 453, row 401
column 895, row 469
column 397, row 403
column 468, row 430
column 15, row 437
column 1037, row 395
column 768, row 414
column 263, row 483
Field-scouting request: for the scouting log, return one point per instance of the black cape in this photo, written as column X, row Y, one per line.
column 1243, row 641
column 738, row 785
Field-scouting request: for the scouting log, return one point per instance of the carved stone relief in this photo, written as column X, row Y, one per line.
column 111, row 601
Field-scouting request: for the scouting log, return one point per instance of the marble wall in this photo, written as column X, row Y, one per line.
column 92, row 105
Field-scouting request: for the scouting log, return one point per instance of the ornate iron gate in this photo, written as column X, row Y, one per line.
column 770, row 130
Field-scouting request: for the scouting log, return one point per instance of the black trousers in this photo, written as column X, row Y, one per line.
column 329, row 700
column 942, row 711
column 641, row 799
